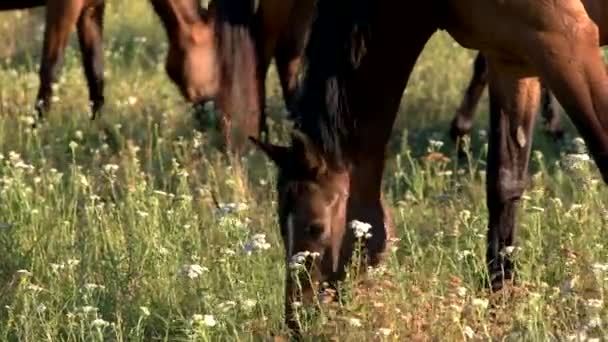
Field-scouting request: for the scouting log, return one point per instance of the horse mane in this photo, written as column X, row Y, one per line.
column 234, row 26
column 336, row 46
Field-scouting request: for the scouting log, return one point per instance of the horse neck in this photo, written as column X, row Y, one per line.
column 178, row 16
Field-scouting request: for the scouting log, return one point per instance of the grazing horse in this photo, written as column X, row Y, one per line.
column 247, row 42
column 462, row 122
column 463, row 119
column 61, row 16
column 359, row 58
column 189, row 32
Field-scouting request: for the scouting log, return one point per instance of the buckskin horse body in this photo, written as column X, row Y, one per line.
column 360, row 56
column 462, row 122
column 188, row 60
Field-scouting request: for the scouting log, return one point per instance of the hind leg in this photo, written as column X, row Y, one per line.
column 463, row 120
column 61, row 16
column 514, row 102
column 90, row 30
column 550, row 113
column 571, row 65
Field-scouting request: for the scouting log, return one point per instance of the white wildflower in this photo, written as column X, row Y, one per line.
column 193, row 271
column 110, row 168
column 79, row 135
column 298, row 260
column 132, row 100
column 231, row 208
column 463, row 254
column 355, row 322
column 258, row 242
column 385, row 331
column 209, row 320
column 594, row 322
column 249, row 303
column 88, row 309
column 41, row 308
column 480, row 303
column 435, row 144
column 93, row 286
column 72, row 262
column 34, row 288
column 73, row 145
column 24, row 272
column 361, row 229
column 99, row 323
column 226, row 306
column 461, row 291
column 227, row 251
column 144, row 311
column 468, row 332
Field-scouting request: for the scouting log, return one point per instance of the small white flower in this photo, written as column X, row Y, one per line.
column 92, row 286
column 480, row 303
column 385, row 331
column 298, row 260
column 144, row 311
column 34, row 288
column 468, row 332
column 110, row 168
column 88, row 309
column 193, row 271
column 232, row 208
column 73, row 145
column 249, row 303
column 355, row 322
column 463, row 254
column 24, row 272
column 258, row 242
column 361, row 229
column 41, row 308
column 78, row 134
column 99, row 323
column 594, row 322
column 461, row 291
column 72, row 262
column 226, row 306
column 227, row 251
column 435, row 144
column 132, row 100
column 209, row 321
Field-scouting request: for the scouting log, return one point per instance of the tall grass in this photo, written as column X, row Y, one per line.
column 109, row 230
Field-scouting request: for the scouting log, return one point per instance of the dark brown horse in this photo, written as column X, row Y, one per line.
column 360, row 55
column 246, row 44
column 463, row 119
column 190, row 45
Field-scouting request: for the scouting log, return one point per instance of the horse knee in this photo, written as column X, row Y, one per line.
column 507, row 187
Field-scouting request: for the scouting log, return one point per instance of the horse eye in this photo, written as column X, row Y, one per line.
column 314, row 230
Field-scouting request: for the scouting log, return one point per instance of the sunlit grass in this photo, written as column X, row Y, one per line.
column 135, row 227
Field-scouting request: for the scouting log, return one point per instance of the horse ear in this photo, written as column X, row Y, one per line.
column 307, row 153
column 278, row 154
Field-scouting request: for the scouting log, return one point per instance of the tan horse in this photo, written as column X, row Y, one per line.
column 190, row 39
column 359, row 58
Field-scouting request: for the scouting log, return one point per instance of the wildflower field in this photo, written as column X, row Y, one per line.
column 110, row 230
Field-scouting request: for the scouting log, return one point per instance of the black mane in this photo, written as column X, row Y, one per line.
column 336, row 46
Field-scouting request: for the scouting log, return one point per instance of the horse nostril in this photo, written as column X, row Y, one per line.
column 314, row 230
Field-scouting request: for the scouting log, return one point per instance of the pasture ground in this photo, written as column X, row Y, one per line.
column 108, row 230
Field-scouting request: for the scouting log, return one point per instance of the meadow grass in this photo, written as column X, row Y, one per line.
column 110, row 230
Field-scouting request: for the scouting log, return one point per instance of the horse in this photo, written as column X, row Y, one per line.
column 273, row 29
column 61, row 17
column 463, row 119
column 359, row 58
column 186, row 23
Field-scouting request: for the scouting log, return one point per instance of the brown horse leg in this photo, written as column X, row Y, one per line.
column 552, row 121
column 578, row 79
column 514, row 102
column 61, row 16
column 90, row 30
column 463, row 120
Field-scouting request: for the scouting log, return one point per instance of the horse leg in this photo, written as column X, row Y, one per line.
column 552, row 121
column 571, row 65
column 90, row 31
column 60, row 18
column 463, row 120
column 514, row 102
